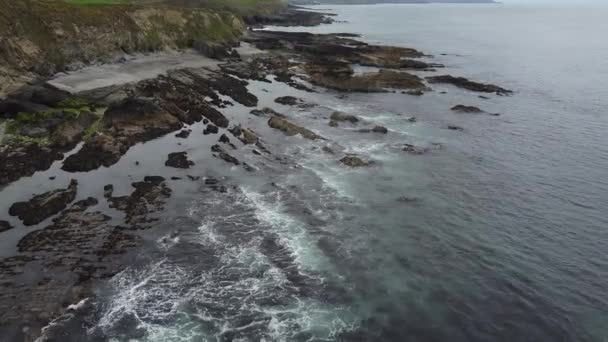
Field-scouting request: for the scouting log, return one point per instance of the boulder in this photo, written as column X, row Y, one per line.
column 415, row 150
column 342, row 117
column 288, row 100
column 466, row 109
column 179, row 160
column 464, row 83
column 221, row 154
column 376, row 129
column 43, row 206
column 291, row 129
column 211, row 129
column 354, row 161
column 183, row 134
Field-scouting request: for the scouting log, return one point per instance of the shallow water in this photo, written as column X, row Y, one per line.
column 500, row 233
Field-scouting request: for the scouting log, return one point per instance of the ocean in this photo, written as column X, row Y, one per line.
column 498, row 233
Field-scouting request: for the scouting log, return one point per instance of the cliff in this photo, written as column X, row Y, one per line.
column 39, row 38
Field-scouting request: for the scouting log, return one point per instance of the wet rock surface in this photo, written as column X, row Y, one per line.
column 45, row 205
column 466, row 109
column 344, row 117
column 179, row 160
column 24, row 160
column 375, row 129
column 288, row 100
column 4, row 226
column 354, row 161
column 220, row 153
column 414, row 150
column 464, row 83
column 183, row 134
column 292, row 129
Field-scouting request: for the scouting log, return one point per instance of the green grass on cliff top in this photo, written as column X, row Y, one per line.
column 247, row 6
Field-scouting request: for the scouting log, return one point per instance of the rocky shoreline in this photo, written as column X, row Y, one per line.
column 46, row 126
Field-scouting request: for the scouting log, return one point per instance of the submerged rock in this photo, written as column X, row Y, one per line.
column 211, row 129
column 288, row 100
column 354, row 161
column 455, row 128
column 464, row 83
column 466, row 109
column 341, row 116
column 4, row 226
column 179, row 160
column 221, row 154
column 291, row 129
column 45, row 205
column 380, row 81
column 415, row 150
column 183, row 134
column 376, row 129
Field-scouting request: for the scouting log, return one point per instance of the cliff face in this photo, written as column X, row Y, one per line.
column 40, row 38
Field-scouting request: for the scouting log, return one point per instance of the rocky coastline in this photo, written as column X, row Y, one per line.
column 79, row 132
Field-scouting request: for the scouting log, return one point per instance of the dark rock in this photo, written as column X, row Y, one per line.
column 183, row 134
column 248, row 167
column 291, row 129
column 224, row 139
column 41, row 93
column 221, row 154
column 4, row 226
column 256, row 152
column 328, row 149
column 179, row 160
column 45, row 205
column 155, row 180
column 376, row 129
column 455, row 128
column 340, row 116
column 52, row 178
column 483, row 97
column 466, row 109
column 462, row 82
column 100, row 150
column 205, row 121
column 213, row 50
column 416, row 150
column 354, row 161
column 417, row 92
column 266, row 112
column 333, row 123
column 211, row 129
column 148, row 197
column 194, row 178
column 288, row 100
column 67, row 134
column 175, row 178
column 24, row 160
column 412, row 119
column 108, row 190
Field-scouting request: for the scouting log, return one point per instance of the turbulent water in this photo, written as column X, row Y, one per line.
column 498, row 233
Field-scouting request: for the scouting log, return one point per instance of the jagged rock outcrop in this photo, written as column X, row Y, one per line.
column 45, row 205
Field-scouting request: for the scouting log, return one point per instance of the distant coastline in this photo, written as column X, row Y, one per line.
column 375, row 2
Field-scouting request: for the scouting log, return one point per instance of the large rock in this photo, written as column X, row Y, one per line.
column 100, row 150
column 462, row 82
column 288, row 100
column 123, row 125
column 354, row 161
column 380, row 81
column 45, row 205
column 179, row 160
column 24, row 160
column 341, row 116
column 291, row 129
column 466, row 109
column 221, row 154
